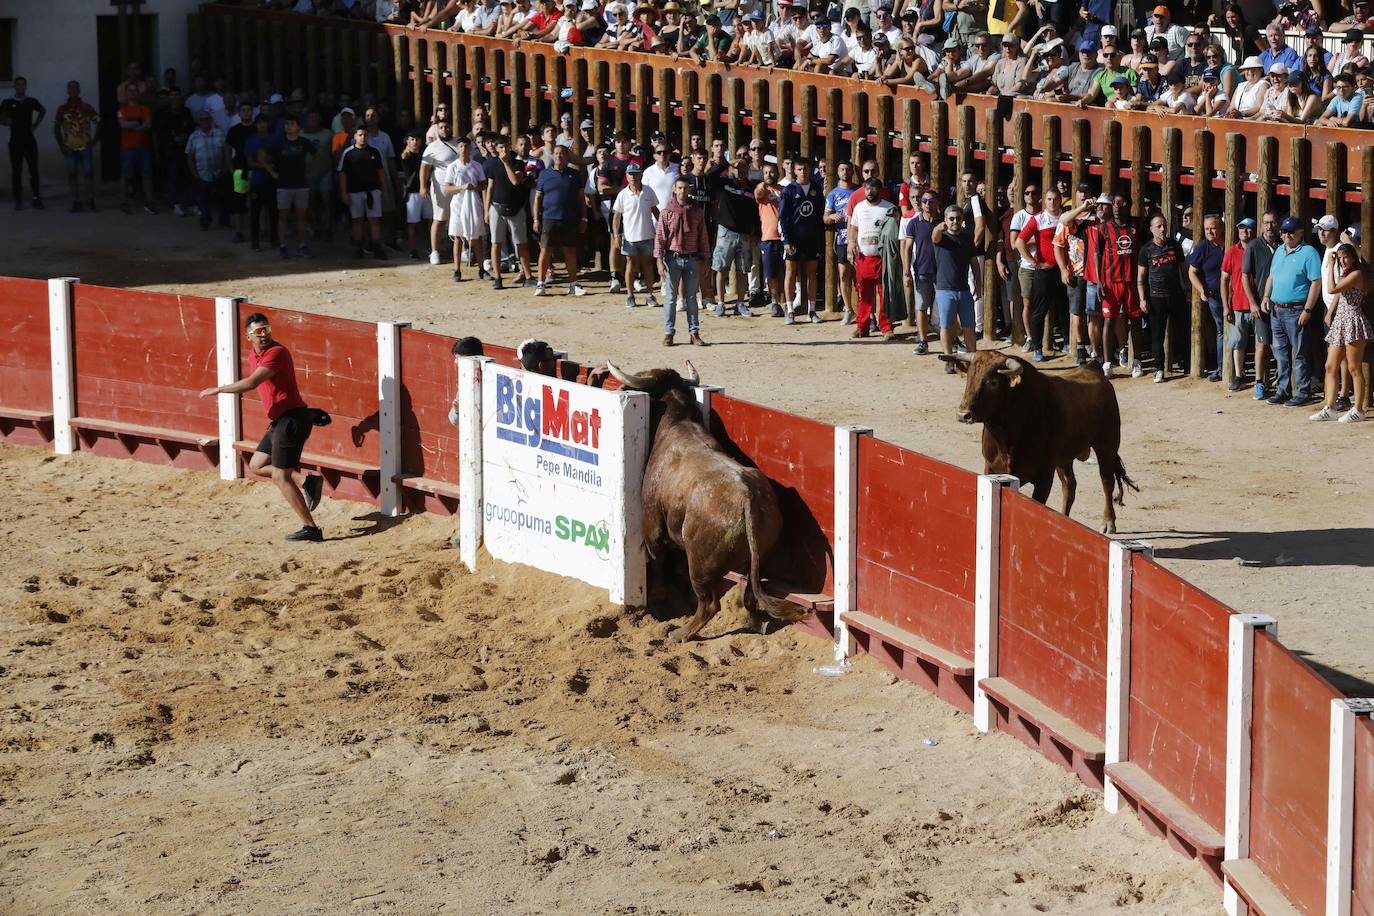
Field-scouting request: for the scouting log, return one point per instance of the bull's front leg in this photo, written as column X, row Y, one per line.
column 1069, row 484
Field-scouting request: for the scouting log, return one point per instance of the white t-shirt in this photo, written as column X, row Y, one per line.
column 833, row 48
column 762, row 44
column 1249, row 97
column 1179, row 100
column 469, row 20
column 1018, row 222
column 636, row 213
column 864, row 61
column 865, row 223
column 438, row 156
column 661, row 181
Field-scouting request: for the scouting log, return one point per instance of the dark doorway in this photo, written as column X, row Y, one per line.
column 120, row 40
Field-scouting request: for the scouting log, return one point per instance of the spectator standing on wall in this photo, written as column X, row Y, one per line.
column 1160, row 279
column 1293, row 295
column 77, row 128
column 680, row 245
column 22, row 114
column 560, row 215
column 273, row 375
column 1240, row 321
column 1259, row 256
column 799, row 223
column 1204, row 274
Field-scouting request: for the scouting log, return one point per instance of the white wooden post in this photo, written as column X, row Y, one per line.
column 987, row 575
column 703, row 393
column 631, row 452
column 846, row 529
column 1340, row 810
column 1119, row 658
column 1240, row 682
column 470, row 457
column 227, row 372
column 388, row 413
column 63, row 363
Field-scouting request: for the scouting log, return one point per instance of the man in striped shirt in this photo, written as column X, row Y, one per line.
column 1112, row 248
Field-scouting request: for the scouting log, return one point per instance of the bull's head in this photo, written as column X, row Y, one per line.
column 988, row 379
column 667, row 387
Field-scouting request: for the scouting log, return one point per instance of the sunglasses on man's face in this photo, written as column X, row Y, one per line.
column 261, row 330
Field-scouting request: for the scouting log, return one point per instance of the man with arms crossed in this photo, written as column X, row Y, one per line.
column 273, row 374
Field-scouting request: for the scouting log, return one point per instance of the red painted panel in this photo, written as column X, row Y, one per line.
column 1178, row 687
column 798, row 455
column 25, row 345
column 1053, row 617
column 336, row 369
column 142, row 358
column 917, row 524
column 429, row 378
column 1290, row 738
column 1363, row 896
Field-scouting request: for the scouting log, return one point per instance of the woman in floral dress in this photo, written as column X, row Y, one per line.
column 1349, row 331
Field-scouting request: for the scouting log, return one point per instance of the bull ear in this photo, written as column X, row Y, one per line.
column 633, row 382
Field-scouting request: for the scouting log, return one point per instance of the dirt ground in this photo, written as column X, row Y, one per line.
column 201, row 720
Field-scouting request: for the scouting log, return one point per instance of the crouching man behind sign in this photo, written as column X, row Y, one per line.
column 274, row 376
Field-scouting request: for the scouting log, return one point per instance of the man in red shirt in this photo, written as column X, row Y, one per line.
column 1236, row 302
column 274, row 376
column 136, row 152
column 1048, row 296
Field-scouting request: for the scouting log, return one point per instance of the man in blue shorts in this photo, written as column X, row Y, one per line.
column 954, row 251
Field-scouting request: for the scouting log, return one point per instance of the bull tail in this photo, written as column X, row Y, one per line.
column 773, row 607
column 1122, row 482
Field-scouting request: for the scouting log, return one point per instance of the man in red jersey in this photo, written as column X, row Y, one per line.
column 274, row 376
column 1112, row 243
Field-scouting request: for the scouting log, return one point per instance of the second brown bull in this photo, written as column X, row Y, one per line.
column 697, row 499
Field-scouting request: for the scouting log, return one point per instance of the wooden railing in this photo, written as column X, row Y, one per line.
column 1218, row 165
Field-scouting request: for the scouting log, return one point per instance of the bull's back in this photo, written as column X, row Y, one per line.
column 1088, row 413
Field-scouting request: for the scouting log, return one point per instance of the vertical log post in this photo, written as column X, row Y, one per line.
column 1080, row 146
column 623, row 106
column 382, row 51
column 598, row 87
column 370, row 70
column 279, row 77
column 1170, row 196
column 1300, row 182
column 967, row 139
column 758, row 109
column 687, row 92
column 939, row 147
column 1111, row 157
column 644, row 102
column 1203, row 168
column 328, row 38
column 1020, row 154
column 1268, row 167
column 312, row 70
column 889, row 164
column 1335, row 179
column 495, row 72
column 262, row 45
column 858, row 132
column 518, row 66
column 782, row 109
column 543, row 108
column 1367, row 204
column 348, row 70
column 807, row 127
column 663, row 88
column 734, row 112
column 712, row 101
column 477, row 70
column 459, row 113
column 1140, row 171
column 579, row 95
column 1049, row 174
column 834, row 99
column 993, row 288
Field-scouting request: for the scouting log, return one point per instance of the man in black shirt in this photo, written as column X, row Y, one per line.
column 291, row 155
column 737, row 227
column 362, row 175
column 236, row 138
column 18, row 113
column 506, row 206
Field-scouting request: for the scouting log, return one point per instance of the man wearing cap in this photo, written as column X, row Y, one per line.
column 757, row 47
column 1235, row 302
column 633, row 218
column 714, row 43
column 1150, row 86
column 1344, row 108
column 1249, row 95
column 1278, row 51
column 1161, row 26
column 1254, row 269
column 1292, row 294
column 1315, row 38
column 1075, row 80
column 828, row 53
column 1104, row 87
column 1352, row 52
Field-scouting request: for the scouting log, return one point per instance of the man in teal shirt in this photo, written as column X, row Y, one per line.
column 1292, row 295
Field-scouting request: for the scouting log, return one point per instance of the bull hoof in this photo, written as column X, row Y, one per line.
column 678, row 635
column 1109, row 529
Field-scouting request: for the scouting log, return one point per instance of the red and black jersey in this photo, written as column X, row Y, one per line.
column 1112, row 247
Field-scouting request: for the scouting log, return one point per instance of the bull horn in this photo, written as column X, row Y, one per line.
column 693, row 375
column 957, row 357
column 1014, row 367
column 635, row 382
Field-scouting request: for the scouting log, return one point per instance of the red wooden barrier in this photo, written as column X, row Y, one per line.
column 1290, row 743
column 1362, row 897
column 141, row 360
column 25, row 363
column 1178, row 688
column 1052, row 632
column 429, row 445
column 798, row 455
column 336, row 368
column 916, row 522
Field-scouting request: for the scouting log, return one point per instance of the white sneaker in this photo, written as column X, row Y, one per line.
column 434, row 257
column 1107, row 369
column 1322, row 415
column 577, row 290
column 1159, row 376
column 616, row 285
column 1137, row 372
column 1353, row 416
column 639, row 285
column 539, row 289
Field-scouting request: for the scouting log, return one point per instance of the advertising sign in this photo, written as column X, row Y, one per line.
column 562, row 468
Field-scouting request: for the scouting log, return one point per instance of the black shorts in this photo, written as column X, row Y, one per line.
column 803, row 252
column 842, row 255
column 285, row 438
column 558, row 233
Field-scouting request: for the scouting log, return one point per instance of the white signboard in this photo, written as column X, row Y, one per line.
column 562, row 468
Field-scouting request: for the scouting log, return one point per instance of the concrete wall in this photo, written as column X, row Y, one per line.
column 56, row 41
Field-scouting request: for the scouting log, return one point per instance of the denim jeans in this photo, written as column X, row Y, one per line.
column 208, row 197
column 682, row 269
column 1291, row 343
column 1219, row 317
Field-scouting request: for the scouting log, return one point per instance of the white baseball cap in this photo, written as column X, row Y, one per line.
column 1328, row 222
column 1252, row 63
column 1109, row 31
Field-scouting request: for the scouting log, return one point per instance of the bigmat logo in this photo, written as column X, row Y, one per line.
column 547, row 422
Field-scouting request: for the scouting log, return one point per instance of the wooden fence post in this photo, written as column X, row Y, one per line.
column 371, row 70
column 807, row 132
column 1140, row 171
column 1300, row 179
column 622, row 98
column 939, row 147
column 712, row 102
column 663, row 86
column 599, row 85
column 833, row 100
column 783, row 111
column 687, row 91
column 1170, row 192
column 352, row 82
column 1268, row 166
column 644, row 102
column 1081, row 148
column 1111, row 157
column 1020, row 155
column 734, row 113
column 459, row 112
column 993, row 289
column 858, row 132
column 518, row 67
column 277, row 68
column 312, row 69
column 579, row 93
column 1202, row 183
column 1335, row 179
column 495, row 73
column 1367, row 204
column 884, row 145
column 262, row 44
column 1049, row 175
column 966, row 139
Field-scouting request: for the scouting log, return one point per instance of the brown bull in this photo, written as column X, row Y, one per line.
column 1035, row 424
column 723, row 515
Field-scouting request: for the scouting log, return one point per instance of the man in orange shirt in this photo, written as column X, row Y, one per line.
column 769, row 194
column 136, row 153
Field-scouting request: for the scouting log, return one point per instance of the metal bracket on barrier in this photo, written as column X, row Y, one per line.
column 1118, row 721
column 1240, row 683
column 1340, row 800
column 63, row 363
column 846, row 530
column 986, row 586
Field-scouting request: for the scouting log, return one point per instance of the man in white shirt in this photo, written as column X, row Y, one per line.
column 827, row 54
column 660, row 175
column 1176, row 99
column 634, row 217
column 434, row 162
column 866, row 254
column 864, row 56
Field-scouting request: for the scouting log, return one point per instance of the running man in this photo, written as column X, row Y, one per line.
column 273, row 375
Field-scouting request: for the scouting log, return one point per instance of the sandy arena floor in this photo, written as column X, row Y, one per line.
column 201, row 719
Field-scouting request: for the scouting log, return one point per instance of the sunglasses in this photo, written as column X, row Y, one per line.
column 929, row 200
column 261, row 330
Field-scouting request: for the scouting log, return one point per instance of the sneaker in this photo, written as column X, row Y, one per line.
column 1277, row 399
column 959, row 346
column 150, row 209
column 816, row 318
column 848, row 317
column 1214, row 375
column 285, row 255
column 520, row 282
column 1342, row 404
column 859, row 333
column 742, row 310
column 1296, row 401
column 1107, row 369
column 483, row 274
column 776, row 311
column 1081, row 356
column 312, row 489
column 307, row 533
column 667, row 340
column 651, row 301
column 789, row 319
column 1121, row 357
column 1027, row 346
column 576, row 289
column 414, row 255
column 719, row 310
column 1236, row 384
column 1159, row 377
column 922, row 348
column 1138, row 370
column 630, row 302
column 178, row 209
column 497, row 284
column 1353, row 416
column 639, row 285
column 434, row 258
column 303, row 251
column 616, row 285
column 539, row 289
column 1260, row 393
column 457, row 276
column 1321, row 416
column 1038, row 357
